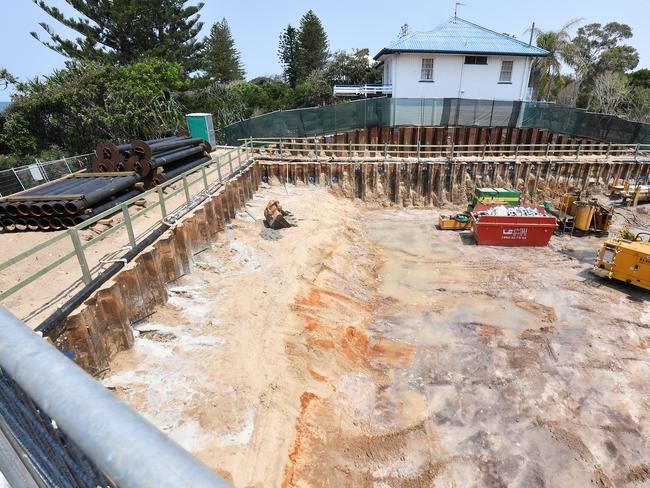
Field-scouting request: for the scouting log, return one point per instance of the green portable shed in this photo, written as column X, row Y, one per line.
column 200, row 125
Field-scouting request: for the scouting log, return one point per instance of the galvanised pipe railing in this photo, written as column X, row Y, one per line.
column 129, row 450
column 448, row 151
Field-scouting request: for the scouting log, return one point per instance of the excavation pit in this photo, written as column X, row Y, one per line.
column 367, row 348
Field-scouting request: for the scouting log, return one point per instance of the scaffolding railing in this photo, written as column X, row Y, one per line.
column 327, row 148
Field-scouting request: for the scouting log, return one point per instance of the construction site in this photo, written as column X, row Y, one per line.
column 380, row 307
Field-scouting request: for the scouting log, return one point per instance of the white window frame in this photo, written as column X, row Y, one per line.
column 510, row 71
column 426, row 70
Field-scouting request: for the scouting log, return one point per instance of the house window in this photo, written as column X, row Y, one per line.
column 426, row 74
column 506, row 72
column 475, row 59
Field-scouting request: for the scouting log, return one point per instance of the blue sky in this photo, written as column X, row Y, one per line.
column 256, row 25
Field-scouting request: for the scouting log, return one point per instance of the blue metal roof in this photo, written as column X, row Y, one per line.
column 460, row 36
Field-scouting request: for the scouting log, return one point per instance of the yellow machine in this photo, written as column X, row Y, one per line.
column 460, row 221
column 625, row 260
column 631, row 195
column 581, row 217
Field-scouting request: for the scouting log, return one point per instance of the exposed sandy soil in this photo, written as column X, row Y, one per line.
column 366, row 348
column 41, row 297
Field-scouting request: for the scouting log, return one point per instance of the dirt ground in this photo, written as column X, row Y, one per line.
column 366, row 348
column 40, row 298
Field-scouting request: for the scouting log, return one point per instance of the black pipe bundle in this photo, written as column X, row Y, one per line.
column 65, row 202
column 144, row 157
column 120, row 172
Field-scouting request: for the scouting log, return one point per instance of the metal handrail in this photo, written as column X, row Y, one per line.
column 73, row 232
column 448, row 150
column 125, row 446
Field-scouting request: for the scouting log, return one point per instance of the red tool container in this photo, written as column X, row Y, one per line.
column 497, row 230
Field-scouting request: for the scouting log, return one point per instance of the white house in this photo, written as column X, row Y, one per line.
column 457, row 59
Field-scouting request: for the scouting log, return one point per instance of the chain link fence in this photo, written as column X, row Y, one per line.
column 14, row 180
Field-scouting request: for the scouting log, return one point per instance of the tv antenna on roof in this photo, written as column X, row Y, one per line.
column 458, row 4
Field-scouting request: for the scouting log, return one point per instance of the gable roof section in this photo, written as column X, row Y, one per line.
column 460, row 36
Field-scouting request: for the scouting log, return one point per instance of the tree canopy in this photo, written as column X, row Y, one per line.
column 126, row 31
column 312, row 45
column 288, row 54
column 219, row 59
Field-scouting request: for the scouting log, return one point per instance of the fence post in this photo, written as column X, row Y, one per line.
column 280, row 147
column 161, row 199
column 65, row 160
column 41, row 168
column 484, row 150
column 418, row 150
column 129, row 225
column 609, row 149
column 548, row 147
column 451, row 151
column 248, row 149
column 81, row 256
column 205, row 178
column 187, row 189
column 385, row 151
column 516, row 151
column 350, row 149
column 218, row 161
column 16, row 176
column 578, row 151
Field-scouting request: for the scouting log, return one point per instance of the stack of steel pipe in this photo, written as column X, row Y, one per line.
column 119, row 174
column 66, row 202
column 154, row 160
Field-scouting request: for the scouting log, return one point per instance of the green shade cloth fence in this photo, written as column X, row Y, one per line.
column 438, row 112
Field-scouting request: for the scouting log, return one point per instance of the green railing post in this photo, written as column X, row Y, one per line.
column 129, row 225
column 205, row 177
column 548, row 147
column 81, row 256
column 516, row 151
column 484, row 150
column 161, row 200
column 418, row 151
column 451, row 151
column 219, row 168
column 248, row 150
column 186, row 187
column 578, row 150
column 609, row 149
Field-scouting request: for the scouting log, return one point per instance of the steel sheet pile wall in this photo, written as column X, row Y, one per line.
column 434, row 183
column 102, row 327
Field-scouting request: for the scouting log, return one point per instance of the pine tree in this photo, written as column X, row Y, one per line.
column 288, row 54
column 220, row 60
column 312, row 45
column 125, row 31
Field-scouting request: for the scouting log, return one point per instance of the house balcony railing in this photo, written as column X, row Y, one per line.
column 362, row 90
